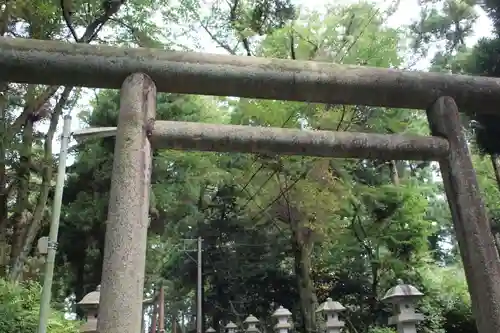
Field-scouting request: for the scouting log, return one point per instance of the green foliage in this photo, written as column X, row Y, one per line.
column 448, row 307
column 453, row 23
column 176, row 183
column 316, row 36
column 19, row 310
column 381, row 330
column 278, row 230
column 492, row 8
column 483, row 61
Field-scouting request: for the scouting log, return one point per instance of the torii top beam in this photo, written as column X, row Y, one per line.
column 59, row 63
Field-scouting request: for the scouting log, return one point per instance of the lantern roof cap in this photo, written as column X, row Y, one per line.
column 91, row 298
column 330, row 306
column 281, row 312
column 401, row 292
column 231, row 325
column 251, row 319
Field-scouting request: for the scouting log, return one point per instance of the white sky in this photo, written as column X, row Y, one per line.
column 408, row 11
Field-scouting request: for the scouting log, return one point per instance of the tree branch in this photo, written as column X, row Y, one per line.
column 31, row 108
column 285, row 197
column 215, row 39
column 293, row 56
column 233, row 16
column 110, row 8
column 5, row 17
column 344, row 109
column 67, row 12
column 90, row 33
column 8, row 188
column 360, row 238
column 307, row 40
column 37, row 217
column 288, row 188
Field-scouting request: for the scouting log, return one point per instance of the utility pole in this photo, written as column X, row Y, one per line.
column 199, row 315
column 199, row 281
column 54, row 228
column 80, row 136
column 161, row 311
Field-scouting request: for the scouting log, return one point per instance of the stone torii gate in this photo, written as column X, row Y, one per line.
column 141, row 72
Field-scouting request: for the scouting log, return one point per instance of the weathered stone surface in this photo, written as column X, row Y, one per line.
column 120, row 308
column 272, row 140
column 472, row 227
column 59, row 63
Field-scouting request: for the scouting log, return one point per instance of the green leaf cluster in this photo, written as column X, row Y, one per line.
column 19, row 310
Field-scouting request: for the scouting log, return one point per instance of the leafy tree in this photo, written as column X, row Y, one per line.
column 30, row 114
column 176, row 180
column 19, row 309
column 277, row 230
column 479, row 60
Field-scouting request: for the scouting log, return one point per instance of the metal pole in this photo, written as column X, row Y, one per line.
column 199, row 316
column 154, row 318
column 161, row 311
column 54, row 228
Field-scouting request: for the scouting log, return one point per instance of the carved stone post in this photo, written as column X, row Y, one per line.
column 252, row 322
column 231, row 327
column 404, row 297
column 283, row 316
column 126, row 228
column 470, row 220
column 331, row 310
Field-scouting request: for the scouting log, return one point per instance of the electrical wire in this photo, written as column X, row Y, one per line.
column 244, row 188
column 260, row 168
column 282, row 193
column 252, row 198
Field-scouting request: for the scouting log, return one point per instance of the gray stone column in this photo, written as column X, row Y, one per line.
column 126, row 228
column 470, row 220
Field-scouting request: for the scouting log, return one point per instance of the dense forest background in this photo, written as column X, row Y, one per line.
column 277, row 230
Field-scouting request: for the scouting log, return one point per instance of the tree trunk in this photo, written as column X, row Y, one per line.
column 21, row 216
column 393, row 168
column 302, row 248
column 302, row 244
column 174, row 323
column 33, row 225
column 4, row 24
column 496, row 170
column 4, row 189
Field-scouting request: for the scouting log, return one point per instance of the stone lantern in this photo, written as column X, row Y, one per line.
column 210, row 330
column 331, row 309
column 404, row 298
column 231, row 327
column 283, row 316
column 252, row 322
column 90, row 306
